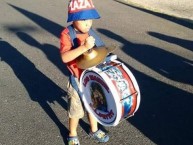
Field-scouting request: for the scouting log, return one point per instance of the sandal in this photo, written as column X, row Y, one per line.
column 100, row 136
column 73, row 141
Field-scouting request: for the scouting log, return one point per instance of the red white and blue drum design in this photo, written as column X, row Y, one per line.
column 110, row 92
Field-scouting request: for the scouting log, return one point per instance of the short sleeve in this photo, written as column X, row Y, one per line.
column 65, row 41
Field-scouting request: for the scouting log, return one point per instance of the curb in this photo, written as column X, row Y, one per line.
column 149, row 8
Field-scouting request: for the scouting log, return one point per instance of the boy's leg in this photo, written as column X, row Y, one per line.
column 75, row 108
column 93, row 123
column 75, row 112
column 73, row 124
column 73, row 138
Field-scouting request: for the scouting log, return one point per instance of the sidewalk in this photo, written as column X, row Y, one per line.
column 181, row 9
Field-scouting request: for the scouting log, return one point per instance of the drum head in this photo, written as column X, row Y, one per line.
column 98, row 99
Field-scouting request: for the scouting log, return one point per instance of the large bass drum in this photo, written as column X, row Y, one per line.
column 110, row 92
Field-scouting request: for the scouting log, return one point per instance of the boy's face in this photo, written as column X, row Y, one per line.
column 82, row 25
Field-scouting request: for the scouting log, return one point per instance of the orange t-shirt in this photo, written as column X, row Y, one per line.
column 66, row 45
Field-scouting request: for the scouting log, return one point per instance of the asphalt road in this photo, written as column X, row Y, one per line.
column 158, row 49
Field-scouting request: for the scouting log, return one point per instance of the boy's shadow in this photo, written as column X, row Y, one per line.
column 39, row 87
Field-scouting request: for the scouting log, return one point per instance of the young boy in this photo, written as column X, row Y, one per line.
column 74, row 41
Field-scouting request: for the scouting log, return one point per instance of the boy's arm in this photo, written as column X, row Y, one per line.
column 68, row 54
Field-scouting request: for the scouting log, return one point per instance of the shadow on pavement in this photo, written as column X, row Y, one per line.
column 39, row 87
column 52, row 52
column 163, row 62
column 180, row 21
column 44, row 23
column 188, row 44
column 165, row 115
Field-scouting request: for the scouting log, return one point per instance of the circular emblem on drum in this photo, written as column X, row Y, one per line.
column 110, row 92
column 95, row 98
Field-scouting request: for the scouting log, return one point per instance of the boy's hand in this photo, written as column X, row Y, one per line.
column 89, row 42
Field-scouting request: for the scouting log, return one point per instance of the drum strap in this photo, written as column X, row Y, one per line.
column 75, row 84
column 72, row 33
